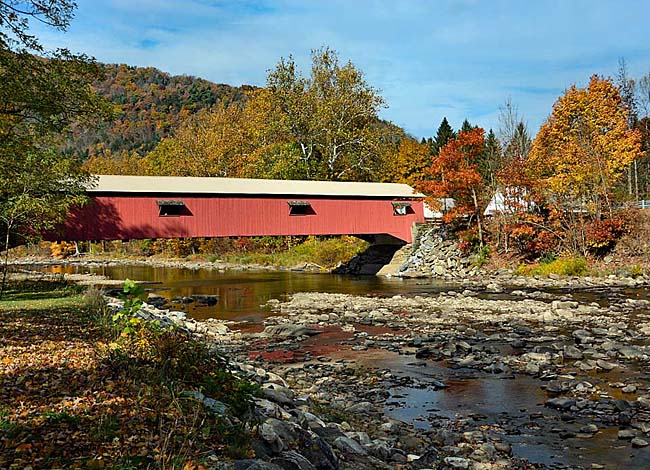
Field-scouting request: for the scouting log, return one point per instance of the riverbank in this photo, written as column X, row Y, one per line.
column 393, row 381
column 367, row 366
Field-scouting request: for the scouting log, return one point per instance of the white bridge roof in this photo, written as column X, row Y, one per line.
column 196, row 185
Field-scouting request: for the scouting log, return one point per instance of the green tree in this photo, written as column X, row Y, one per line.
column 467, row 127
column 443, row 135
column 331, row 115
column 36, row 192
column 491, row 160
column 40, row 97
column 519, row 143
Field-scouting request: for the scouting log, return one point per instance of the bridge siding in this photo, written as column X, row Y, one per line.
column 112, row 217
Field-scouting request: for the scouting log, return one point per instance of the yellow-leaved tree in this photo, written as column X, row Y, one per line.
column 583, row 148
column 407, row 164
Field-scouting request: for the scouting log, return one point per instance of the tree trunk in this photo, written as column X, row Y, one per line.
column 5, row 264
column 478, row 218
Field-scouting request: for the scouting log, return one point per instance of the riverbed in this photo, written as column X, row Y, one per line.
column 496, row 358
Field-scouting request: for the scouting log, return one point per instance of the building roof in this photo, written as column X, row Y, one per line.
column 195, row 185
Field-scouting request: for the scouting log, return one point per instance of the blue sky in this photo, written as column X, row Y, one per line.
column 455, row 58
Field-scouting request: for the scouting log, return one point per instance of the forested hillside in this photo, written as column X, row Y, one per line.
column 148, row 105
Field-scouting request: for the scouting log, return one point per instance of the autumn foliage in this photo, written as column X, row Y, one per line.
column 584, row 148
column 455, row 174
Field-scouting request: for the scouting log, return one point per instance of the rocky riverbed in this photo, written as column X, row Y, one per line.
column 506, row 373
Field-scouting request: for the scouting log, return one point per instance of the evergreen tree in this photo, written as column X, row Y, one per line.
column 466, row 127
column 444, row 134
column 520, row 144
column 491, row 160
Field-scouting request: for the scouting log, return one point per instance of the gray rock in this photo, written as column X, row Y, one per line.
column 638, row 442
column 589, row 429
column 606, row 365
column 571, row 352
column 360, row 408
column 626, row 434
column 630, row 352
column 349, row 446
column 292, row 460
column 458, row 462
column 288, row 330
column 254, row 464
column 561, row 403
column 644, row 402
column 629, row 389
column 277, row 396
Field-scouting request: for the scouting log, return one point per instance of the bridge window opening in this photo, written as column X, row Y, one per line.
column 171, row 208
column 402, row 208
column 300, row 208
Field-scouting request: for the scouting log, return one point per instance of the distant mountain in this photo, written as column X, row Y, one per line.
column 149, row 104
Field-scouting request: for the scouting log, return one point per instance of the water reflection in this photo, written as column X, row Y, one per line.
column 241, row 293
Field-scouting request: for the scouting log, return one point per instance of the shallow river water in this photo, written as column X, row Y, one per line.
column 470, row 394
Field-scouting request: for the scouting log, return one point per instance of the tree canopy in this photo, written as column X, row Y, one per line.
column 584, row 147
column 40, row 97
column 331, row 116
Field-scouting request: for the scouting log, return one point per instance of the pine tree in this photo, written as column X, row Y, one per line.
column 520, row 144
column 491, row 160
column 444, row 134
column 466, row 127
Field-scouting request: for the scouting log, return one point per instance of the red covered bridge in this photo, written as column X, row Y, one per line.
column 133, row 207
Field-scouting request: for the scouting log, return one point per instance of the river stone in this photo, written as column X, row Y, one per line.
column 532, row 368
column 629, row 389
column 277, row 396
column 362, row 407
column 582, row 336
column 589, row 429
column 564, row 305
column 561, row 403
column 254, row 464
column 606, row 365
column 626, row 434
column 292, row 460
column 288, row 330
column 630, row 352
column 571, row 352
column 349, row 446
column 644, row 402
column 457, row 462
column 638, row 442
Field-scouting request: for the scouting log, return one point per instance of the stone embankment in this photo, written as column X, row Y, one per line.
column 435, row 253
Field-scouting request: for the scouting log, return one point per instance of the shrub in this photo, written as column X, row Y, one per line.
column 602, row 235
column 482, row 256
column 567, row 266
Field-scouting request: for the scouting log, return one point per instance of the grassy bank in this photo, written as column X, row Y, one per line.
column 326, row 252
column 82, row 389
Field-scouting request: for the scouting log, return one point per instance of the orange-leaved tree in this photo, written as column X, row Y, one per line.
column 584, row 147
column 579, row 154
column 454, row 173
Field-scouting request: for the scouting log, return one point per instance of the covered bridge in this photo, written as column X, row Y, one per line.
column 133, row 207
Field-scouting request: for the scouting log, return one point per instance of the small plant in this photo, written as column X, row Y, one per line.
column 95, row 302
column 106, row 429
column 133, row 297
column 548, row 258
column 55, row 417
column 482, row 256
